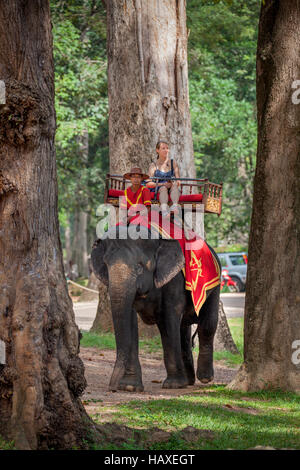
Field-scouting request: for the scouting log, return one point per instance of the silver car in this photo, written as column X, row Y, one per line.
column 236, row 266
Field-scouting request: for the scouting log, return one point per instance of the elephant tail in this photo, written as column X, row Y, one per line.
column 196, row 331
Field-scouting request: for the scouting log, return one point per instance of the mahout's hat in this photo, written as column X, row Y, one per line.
column 135, row 171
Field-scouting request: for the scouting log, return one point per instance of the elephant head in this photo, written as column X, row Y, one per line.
column 149, row 262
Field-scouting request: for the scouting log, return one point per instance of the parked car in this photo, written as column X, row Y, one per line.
column 236, row 266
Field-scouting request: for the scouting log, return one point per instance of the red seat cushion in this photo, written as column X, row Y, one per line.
column 115, row 193
column 183, row 198
column 191, row 198
column 188, row 198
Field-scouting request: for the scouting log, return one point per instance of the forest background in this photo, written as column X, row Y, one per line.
column 221, row 58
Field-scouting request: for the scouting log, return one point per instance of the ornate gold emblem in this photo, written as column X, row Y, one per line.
column 196, row 264
column 212, row 205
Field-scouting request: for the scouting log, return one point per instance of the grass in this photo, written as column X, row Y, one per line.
column 236, row 326
column 96, row 340
column 238, row 420
column 107, row 341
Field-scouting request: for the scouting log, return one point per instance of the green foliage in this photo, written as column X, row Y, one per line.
column 6, row 445
column 222, row 54
column 79, row 32
column 231, row 248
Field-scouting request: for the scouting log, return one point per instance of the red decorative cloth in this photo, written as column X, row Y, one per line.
column 202, row 271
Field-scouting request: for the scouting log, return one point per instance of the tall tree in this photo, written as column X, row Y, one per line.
column 148, row 83
column 43, row 376
column 147, row 44
column 272, row 300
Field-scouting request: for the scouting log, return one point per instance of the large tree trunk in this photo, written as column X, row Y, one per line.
column 147, row 44
column 272, row 297
column 148, row 83
column 43, row 376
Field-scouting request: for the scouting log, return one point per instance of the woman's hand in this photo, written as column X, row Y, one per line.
column 168, row 184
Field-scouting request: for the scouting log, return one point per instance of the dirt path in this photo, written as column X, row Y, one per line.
column 98, row 369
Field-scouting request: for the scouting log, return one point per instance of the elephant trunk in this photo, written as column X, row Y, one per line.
column 122, row 290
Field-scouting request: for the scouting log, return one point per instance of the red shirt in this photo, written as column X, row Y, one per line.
column 141, row 196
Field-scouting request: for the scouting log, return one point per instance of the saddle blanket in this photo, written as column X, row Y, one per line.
column 201, row 271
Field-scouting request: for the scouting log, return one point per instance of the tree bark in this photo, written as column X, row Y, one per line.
column 43, row 376
column 103, row 322
column 272, row 322
column 223, row 340
column 148, row 83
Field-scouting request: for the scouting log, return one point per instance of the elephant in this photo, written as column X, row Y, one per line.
column 145, row 276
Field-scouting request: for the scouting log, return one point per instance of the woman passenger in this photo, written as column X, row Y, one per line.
column 165, row 168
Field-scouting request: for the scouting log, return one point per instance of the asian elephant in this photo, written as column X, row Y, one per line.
column 145, row 276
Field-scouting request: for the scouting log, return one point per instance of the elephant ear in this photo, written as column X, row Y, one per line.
column 170, row 260
column 98, row 265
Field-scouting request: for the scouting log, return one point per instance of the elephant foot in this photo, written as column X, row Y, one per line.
column 175, row 382
column 129, row 384
column 191, row 377
column 205, row 372
column 205, row 377
column 205, row 380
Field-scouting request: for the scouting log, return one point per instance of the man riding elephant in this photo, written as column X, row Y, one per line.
column 134, row 196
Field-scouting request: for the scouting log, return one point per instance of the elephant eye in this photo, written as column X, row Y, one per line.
column 139, row 268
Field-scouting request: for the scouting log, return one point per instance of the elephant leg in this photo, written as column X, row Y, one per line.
column 169, row 327
column 187, row 354
column 132, row 378
column 206, row 332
